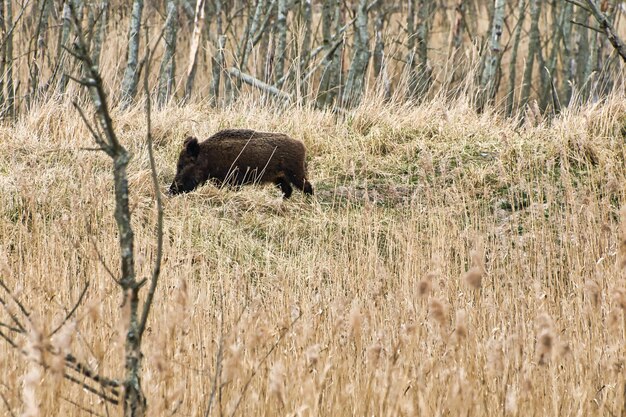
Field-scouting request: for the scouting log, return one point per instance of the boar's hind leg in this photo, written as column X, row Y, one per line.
column 284, row 186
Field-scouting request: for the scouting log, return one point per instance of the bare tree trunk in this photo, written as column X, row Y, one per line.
column 331, row 16
column 3, row 29
column 379, row 45
column 305, row 49
column 281, row 43
column 533, row 46
column 548, row 72
column 9, row 62
column 61, row 55
column 218, row 59
column 168, row 64
column 358, row 68
column 254, row 28
column 418, row 67
column 458, row 28
column 510, row 96
column 131, row 74
column 568, row 57
column 100, row 29
column 581, row 47
column 491, row 71
column 39, row 51
column 193, row 48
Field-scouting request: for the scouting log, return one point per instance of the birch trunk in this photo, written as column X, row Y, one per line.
column 489, row 80
column 61, row 55
column 198, row 22
column 510, row 96
column 100, row 30
column 533, row 46
column 281, row 43
column 358, row 68
column 168, row 64
column 131, row 76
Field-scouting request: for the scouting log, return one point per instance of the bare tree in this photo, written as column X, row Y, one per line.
column 106, row 138
column 39, row 51
column 281, row 42
column 8, row 59
column 419, row 71
column 99, row 32
column 491, row 71
column 131, row 73
column 533, row 47
column 356, row 74
column 218, row 57
column 168, row 64
column 510, row 96
column 193, row 47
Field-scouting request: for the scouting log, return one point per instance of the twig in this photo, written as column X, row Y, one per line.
column 91, row 389
column 9, row 327
column 15, row 320
column 159, row 204
column 269, row 352
column 96, row 137
column 587, row 26
column 608, row 29
column 72, row 311
column 85, row 409
column 73, row 363
column 15, row 300
column 6, row 403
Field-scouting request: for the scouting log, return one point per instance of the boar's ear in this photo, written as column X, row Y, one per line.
column 192, row 147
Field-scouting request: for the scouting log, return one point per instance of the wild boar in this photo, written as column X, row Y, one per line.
column 242, row 156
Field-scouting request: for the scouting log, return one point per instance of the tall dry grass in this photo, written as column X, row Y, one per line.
column 450, row 264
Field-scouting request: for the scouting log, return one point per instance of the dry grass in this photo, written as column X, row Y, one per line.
column 450, row 264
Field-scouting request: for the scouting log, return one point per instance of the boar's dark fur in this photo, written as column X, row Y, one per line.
column 241, row 156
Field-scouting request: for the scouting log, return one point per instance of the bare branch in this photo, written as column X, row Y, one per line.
column 15, row 300
column 83, row 408
column 6, row 403
column 91, row 389
column 96, row 137
column 587, row 26
column 255, row 82
column 156, row 270
column 607, row 27
column 72, row 311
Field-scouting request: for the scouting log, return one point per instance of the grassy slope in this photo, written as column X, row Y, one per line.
column 407, row 200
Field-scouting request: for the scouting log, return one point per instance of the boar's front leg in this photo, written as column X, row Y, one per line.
column 284, row 186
